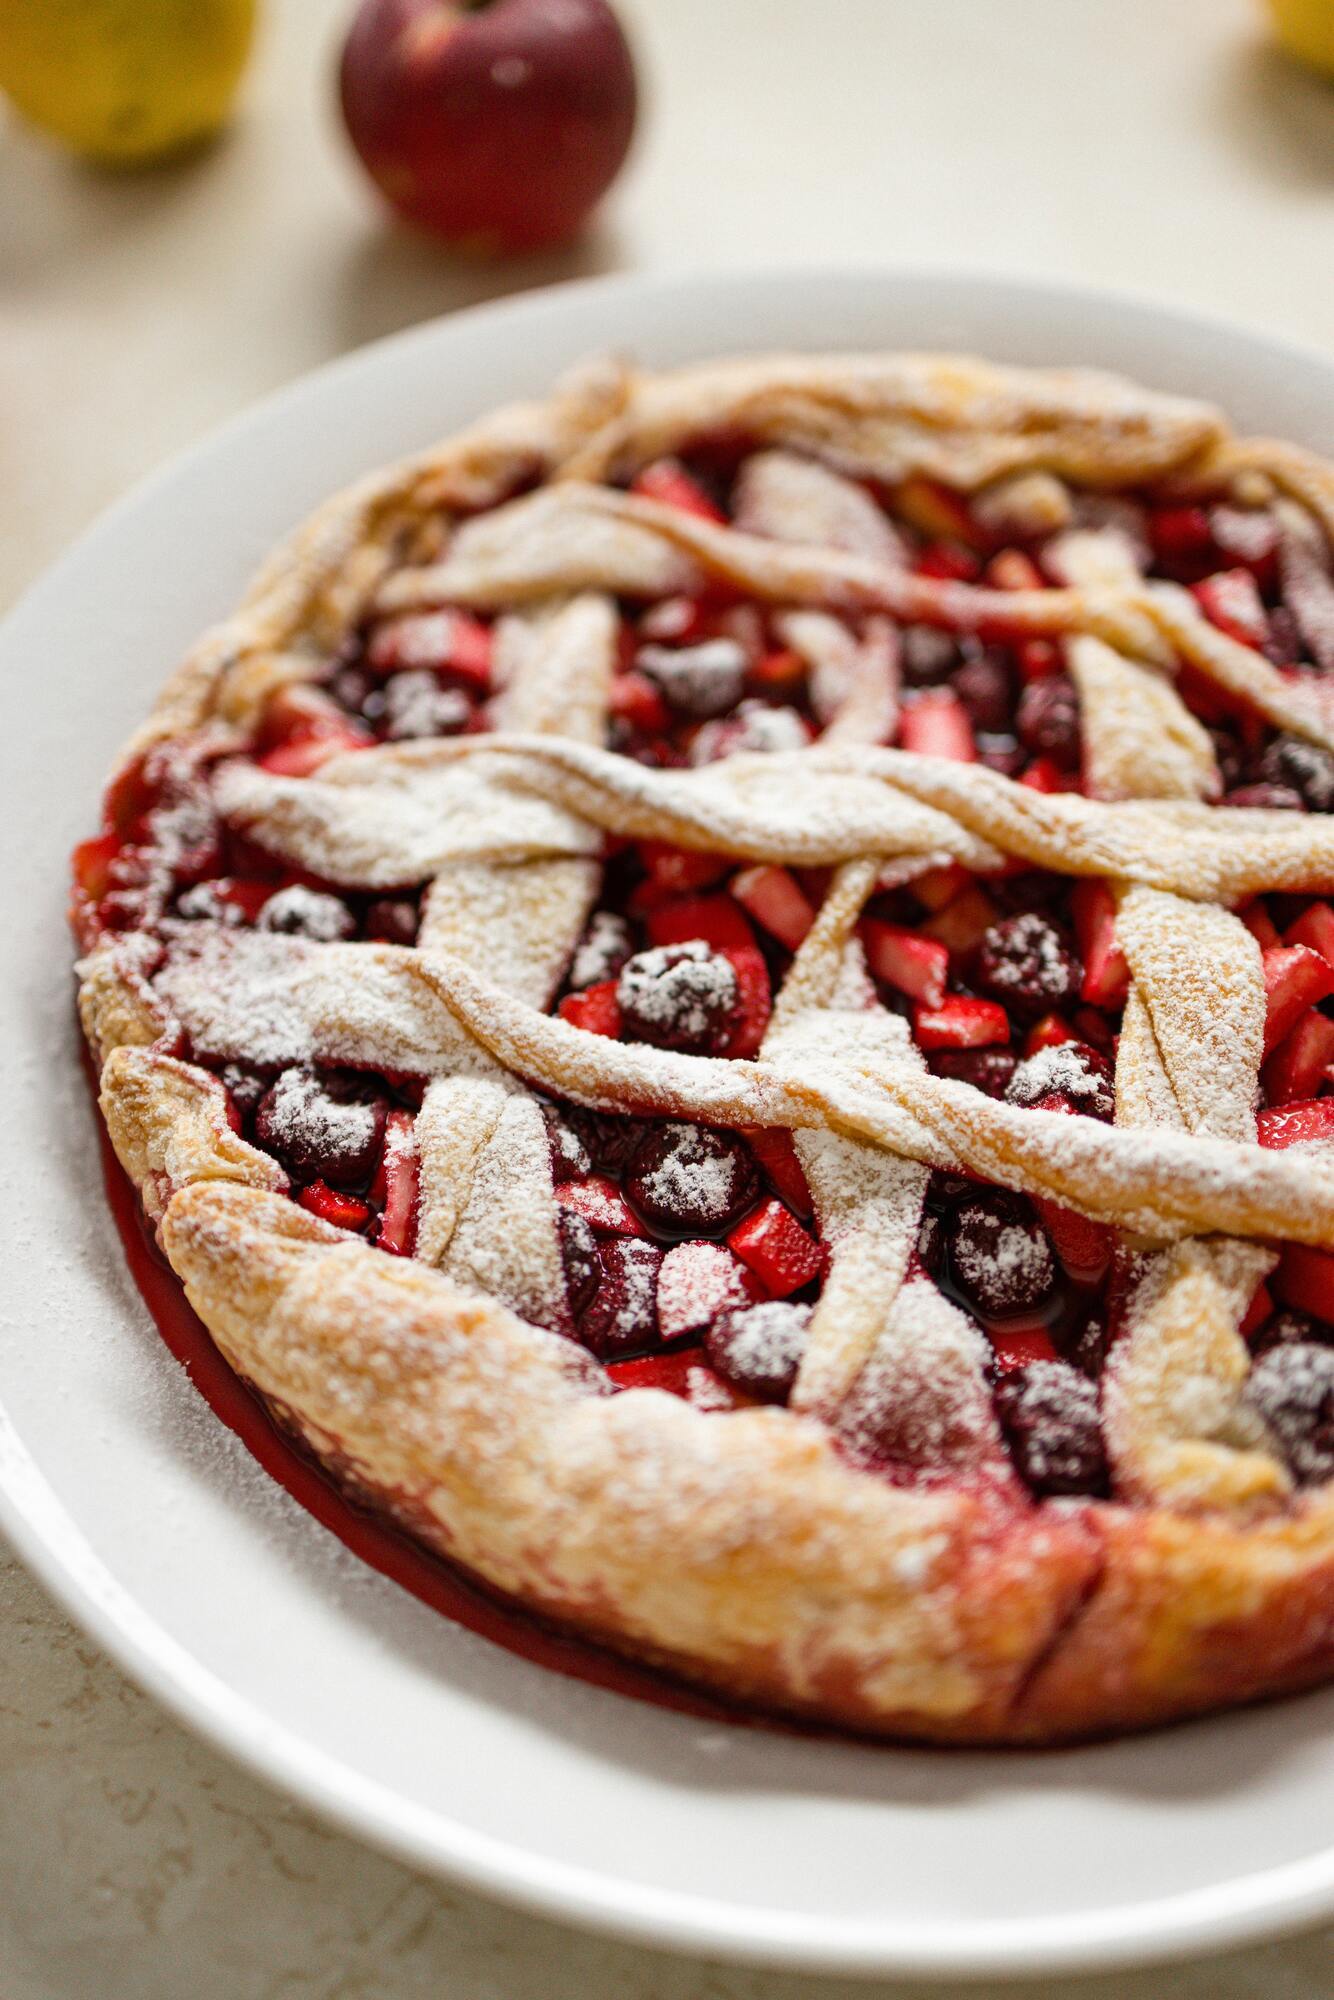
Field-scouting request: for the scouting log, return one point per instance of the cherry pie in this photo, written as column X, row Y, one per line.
column 721, row 993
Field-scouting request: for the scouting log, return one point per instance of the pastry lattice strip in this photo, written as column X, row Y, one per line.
column 506, row 827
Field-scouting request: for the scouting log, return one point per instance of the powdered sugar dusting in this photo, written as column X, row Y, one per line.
column 692, row 1178
column 922, row 1400
column 272, row 1000
column 1013, row 1258
column 681, row 989
column 768, row 1340
column 389, row 818
column 308, row 913
column 300, row 1114
column 602, row 950
column 702, row 680
column 753, row 729
column 1062, row 1068
column 696, row 1283
column 398, row 815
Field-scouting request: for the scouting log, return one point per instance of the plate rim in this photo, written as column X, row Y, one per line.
column 1286, row 1897
column 1292, row 1897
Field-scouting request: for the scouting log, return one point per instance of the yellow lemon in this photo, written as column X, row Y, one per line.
column 124, row 80
column 1305, row 28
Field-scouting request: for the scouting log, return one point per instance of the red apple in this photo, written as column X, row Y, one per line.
column 495, row 124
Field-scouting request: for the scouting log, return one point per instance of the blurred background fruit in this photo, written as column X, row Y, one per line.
column 1306, row 30
column 124, row 81
column 495, row 124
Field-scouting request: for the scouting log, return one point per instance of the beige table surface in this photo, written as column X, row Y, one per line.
column 1151, row 143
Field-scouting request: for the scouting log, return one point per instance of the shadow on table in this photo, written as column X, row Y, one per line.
column 56, row 208
column 393, row 277
column 57, row 212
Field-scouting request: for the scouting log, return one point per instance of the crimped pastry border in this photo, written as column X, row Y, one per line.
column 774, row 1569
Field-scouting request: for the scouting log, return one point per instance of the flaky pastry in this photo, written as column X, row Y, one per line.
column 719, row 992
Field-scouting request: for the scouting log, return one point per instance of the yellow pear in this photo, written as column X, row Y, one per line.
column 124, row 80
column 1305, row 28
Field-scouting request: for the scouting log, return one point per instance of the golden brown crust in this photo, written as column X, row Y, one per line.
column 748, row 1549
column 743, row 1549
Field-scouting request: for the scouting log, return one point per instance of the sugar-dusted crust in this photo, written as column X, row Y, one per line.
column 743, row 1551
column 749, row 1549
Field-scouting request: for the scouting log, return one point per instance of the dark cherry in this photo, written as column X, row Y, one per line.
column 622, row 1315
column 579, row 1255
column 688, row 1180
column 326, row 1127
column 202, row 903
column 944, row 1189
column 758, row 1349
column 610, row 1140
column 1292, row 1388
column 570, row 1157
column 655, row 752
column 415, row 705
column 928, row 655
column 243, row 1087
column 678, row 996
column 1000, row 753
column 1000, row 1257
column 310, row 913
column 1286, row 1327
column 606, row 945
column 1068, row 1076
column 1023, row 963
column 753, row 728
column 1047, row 721
column 1228, row 755
column 1031, row 889
column 358, row 692
column 700, row 681
column 1049, row 1414
column 1284, row 644
column 392, row 920
column 1086, row 1346
column 1266, row 798
column 1303, row 767
column 989, row 1070
column 931, row 1241
column 985, row 686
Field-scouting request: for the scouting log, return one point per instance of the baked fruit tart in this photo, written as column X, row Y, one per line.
column 720, row 993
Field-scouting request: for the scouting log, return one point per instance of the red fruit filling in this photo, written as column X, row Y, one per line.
column 691, row 1255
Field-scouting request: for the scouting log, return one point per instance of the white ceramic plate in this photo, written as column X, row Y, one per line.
column 215, row 1591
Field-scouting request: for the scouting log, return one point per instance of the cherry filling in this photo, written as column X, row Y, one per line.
column 140, row 873
column 1292, row 1387
column 323, row 1127
column 1049, row 1415
column 345, row 1140
column 690, row 1254
column 422, row 675
column 758, row 1348
column 678, row 996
